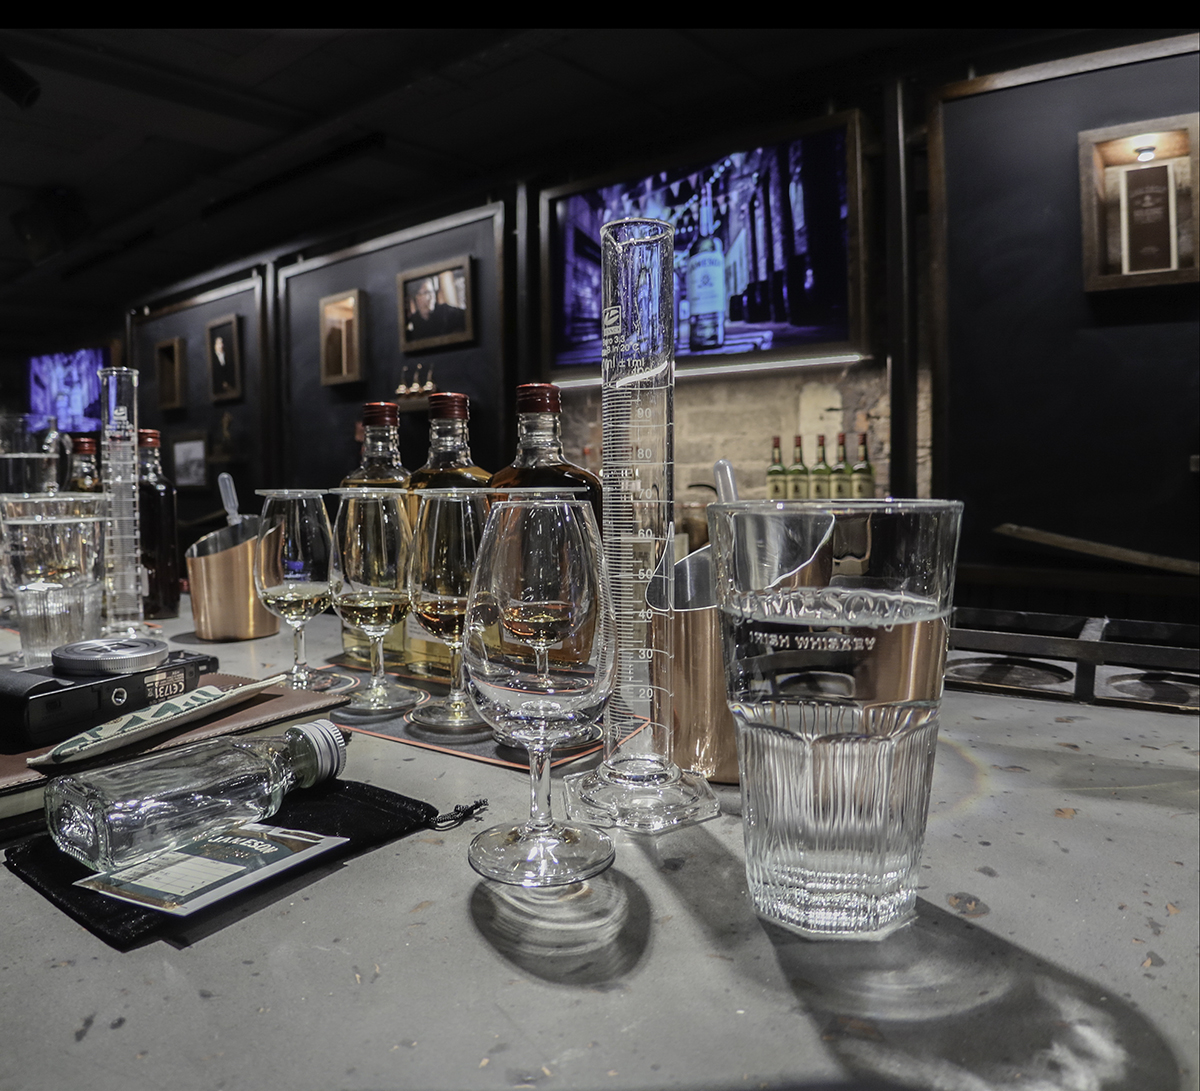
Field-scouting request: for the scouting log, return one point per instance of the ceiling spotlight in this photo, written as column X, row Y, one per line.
column 1145, row 154
column 17, row 84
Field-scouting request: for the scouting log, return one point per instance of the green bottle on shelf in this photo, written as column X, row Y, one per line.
column 819, row 483
column 777, row 478
column 862, row 473
column 839, row 476
column 797, row 473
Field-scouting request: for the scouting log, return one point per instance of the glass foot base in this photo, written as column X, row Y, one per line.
column 308, row 679
column 386, row 698
column 447, row 717
column 557, row 856
column 130, row 628
column 604, row 797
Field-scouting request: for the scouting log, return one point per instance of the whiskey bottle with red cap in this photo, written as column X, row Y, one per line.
column 540, row 462
column 380, row 468
column 449, row 466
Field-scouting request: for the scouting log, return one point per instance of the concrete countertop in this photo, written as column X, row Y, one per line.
column 1055, row 945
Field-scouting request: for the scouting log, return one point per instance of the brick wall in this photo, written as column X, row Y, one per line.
column 735, row 418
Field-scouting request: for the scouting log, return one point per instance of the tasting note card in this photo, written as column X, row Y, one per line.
column 198, row 874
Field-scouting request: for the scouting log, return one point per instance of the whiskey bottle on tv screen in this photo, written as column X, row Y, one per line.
column 706, row 282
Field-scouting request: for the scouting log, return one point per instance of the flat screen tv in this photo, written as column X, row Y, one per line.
column 66, row 385
column 768, row 252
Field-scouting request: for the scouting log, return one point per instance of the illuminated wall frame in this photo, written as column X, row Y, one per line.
column 1140, row 203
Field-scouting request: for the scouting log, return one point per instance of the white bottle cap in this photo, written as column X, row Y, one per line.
column 330, row 746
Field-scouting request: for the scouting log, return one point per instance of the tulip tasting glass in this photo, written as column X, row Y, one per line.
column 369, row 583
column 540, row 654
column 445, row 544
column 292, row 567
column 834, row 618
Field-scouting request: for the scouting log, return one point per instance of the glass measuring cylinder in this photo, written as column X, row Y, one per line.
column 638, row 786
column 122, row 547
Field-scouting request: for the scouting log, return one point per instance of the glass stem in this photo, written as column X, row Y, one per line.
column 539, row 790
column 377, row 679
column 457, row 696
column 541, row 658
column 299, row 658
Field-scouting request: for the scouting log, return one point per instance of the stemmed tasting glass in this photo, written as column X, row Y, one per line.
column 445, row 543
column 369, row 582
column 541, row 659
column 291, row 569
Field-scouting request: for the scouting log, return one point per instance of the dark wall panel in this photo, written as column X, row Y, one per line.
column 1070, row 412
column 233, row 429
column 319, row 421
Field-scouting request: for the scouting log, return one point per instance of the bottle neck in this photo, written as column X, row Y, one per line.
column 449, row 443
column 293, row 758
column 539, row 439
column 381, row 441
column 149, row 462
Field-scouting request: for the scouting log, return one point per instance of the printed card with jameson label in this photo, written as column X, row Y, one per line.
column 200, row 873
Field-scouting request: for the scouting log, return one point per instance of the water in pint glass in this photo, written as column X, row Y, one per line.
column 834, row 619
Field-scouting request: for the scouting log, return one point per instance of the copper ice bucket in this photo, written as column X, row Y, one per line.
column 220, row 569
column 703, row 738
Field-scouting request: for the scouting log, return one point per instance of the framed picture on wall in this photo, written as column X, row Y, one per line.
column 189, row 458
column 169, row 370
column 341, row 322
column 435, row 305
column 1139, row 202
column 224, row 358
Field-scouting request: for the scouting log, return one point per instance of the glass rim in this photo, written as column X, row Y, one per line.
column 898, row 504
column 661, row 229
column 530, row 501
column 535, row 491
column 289, row 494
column 368, row 493
column 5, row 497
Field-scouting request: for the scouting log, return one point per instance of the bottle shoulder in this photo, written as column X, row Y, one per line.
column 548, row 473
column 448, row 476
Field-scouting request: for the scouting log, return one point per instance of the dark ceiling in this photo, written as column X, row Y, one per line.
column 152, row 156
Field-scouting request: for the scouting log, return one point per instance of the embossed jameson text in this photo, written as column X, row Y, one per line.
column 818, row 642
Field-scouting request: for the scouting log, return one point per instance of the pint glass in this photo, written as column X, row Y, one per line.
column 834, row 618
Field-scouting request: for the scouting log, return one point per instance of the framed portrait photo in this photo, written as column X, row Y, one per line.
column 189, row 458
column 435, row 305
column 224, row 358
column 341, row 337
column 171, row 374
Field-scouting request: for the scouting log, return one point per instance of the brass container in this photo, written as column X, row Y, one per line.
column 703, row 736
column 705, row 740
column 220, row 570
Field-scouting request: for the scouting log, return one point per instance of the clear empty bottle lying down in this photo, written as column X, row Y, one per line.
column 122, row 814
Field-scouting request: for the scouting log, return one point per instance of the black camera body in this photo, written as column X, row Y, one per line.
column 42, row 706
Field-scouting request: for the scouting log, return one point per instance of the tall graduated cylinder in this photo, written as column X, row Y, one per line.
column 834, row 620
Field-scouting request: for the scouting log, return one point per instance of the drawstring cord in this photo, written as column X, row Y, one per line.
column 459, row 815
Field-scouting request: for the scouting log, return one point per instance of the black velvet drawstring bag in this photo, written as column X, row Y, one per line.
column 363, row 814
